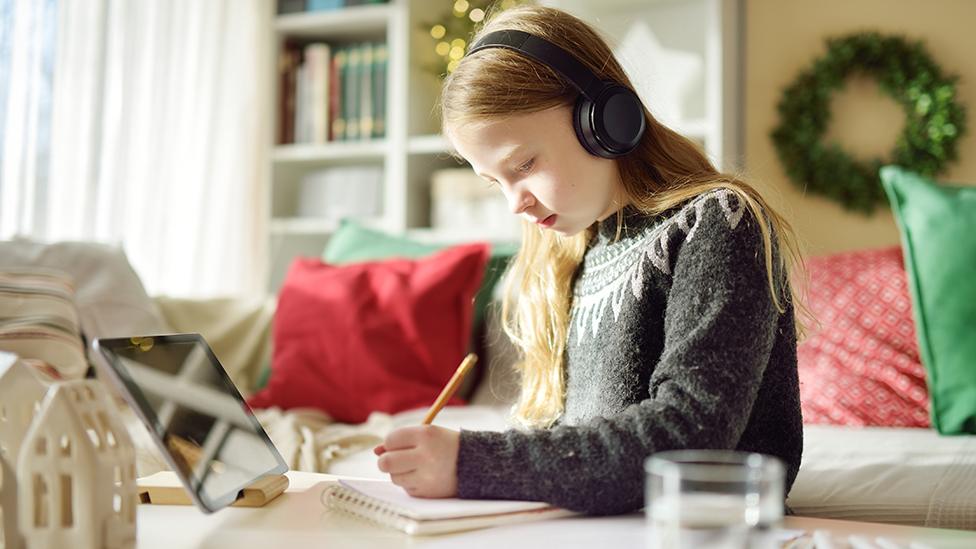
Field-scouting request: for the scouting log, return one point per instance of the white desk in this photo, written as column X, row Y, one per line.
column 297, row 520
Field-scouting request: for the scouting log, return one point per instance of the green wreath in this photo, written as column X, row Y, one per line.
column 933, row 120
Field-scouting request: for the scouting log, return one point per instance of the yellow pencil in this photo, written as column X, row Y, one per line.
column 448, row 391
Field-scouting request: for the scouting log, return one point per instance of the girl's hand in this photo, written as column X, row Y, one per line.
column 422, row 460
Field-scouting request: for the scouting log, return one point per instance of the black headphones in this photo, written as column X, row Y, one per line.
column 608, row 117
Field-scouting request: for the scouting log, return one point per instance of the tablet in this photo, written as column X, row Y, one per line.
column 193, row 411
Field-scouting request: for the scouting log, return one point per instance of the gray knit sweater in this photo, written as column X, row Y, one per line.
column 675, row 343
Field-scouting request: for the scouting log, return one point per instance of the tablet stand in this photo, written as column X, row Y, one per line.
column 164, row 488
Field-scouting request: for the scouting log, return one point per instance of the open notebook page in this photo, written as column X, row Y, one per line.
column 398, row 499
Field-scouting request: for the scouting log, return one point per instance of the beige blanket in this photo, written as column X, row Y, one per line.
column 309, row 440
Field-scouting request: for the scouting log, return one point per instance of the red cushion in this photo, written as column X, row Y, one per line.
column 375, row 336
column 861, row 366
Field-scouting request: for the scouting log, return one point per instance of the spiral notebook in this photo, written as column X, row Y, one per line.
column 389, row 505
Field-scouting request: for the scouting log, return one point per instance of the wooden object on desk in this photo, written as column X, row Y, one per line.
column 165, row 488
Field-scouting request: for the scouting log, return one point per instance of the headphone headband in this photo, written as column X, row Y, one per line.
column 608, row 117
column 546, row 53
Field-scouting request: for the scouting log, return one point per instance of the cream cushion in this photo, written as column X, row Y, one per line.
column 884, row 474
column 237, row 329
column 39, row 320
column 110, row 297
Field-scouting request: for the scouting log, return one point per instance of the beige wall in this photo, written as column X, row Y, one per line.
column 783, row 37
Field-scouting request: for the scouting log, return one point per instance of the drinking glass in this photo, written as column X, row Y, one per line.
column 712, row 499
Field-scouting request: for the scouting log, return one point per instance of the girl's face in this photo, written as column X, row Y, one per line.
column 545, row 174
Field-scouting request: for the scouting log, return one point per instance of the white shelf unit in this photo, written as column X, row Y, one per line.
column 428, row 144
column 410, row 151
column 413, row 147
column 299, row 226
column 350, row 22
column 373, row 149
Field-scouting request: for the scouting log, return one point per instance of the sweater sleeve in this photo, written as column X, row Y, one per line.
column 719, row 323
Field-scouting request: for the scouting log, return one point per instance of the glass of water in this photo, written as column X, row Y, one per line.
column 712, row 499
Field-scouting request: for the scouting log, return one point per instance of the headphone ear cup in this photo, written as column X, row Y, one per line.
column 583, row 124
column 618, row 121
column 611, row 125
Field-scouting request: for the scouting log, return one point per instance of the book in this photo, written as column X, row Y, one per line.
column 379, row 90
column 337, row 129
column 366, row 91
column 387, row 504
column 288, row 61
column 291, row 6
column 350, row 93
column 318, row 62
column 301, row 124
column 324, row 5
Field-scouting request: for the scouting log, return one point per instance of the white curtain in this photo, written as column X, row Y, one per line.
column 27, row 31
column 160, row 125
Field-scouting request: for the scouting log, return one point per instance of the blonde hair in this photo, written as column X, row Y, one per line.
column 664, row 171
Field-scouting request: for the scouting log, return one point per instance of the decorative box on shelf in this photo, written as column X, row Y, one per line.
column 341, row 191
column 464, row 203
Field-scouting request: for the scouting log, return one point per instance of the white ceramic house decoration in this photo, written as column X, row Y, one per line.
column 21, row 392
column 9, row 532
column 67, row 462
column 76, row 472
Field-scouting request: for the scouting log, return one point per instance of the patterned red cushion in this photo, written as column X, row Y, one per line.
column 860, row 365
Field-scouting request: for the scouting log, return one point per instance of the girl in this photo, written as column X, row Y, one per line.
column 649, row 300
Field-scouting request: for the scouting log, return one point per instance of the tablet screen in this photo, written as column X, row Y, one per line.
column 208, row 433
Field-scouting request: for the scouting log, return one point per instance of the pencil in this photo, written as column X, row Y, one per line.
column 448, row 391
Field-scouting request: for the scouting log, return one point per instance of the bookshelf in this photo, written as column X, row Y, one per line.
column 411, row 149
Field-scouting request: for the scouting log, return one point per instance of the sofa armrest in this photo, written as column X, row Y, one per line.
column 238, row 330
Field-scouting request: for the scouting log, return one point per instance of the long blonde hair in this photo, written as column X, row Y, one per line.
column 664, row 171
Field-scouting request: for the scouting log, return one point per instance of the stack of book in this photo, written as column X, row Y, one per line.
column 331, row 92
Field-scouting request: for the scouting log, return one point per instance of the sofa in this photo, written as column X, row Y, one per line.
column 869, row 452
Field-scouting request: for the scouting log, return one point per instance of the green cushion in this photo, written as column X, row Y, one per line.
column 938, row 233
column 263, row 377
column 352, row 242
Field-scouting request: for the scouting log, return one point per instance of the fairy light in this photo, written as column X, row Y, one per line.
column 452, row 50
